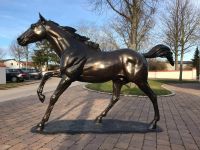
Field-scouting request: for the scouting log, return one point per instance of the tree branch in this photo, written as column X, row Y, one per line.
column 117, row 11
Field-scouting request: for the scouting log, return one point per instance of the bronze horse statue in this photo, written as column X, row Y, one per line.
column 82, row 60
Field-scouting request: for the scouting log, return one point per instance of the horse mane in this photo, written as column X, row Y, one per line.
column 77, row 36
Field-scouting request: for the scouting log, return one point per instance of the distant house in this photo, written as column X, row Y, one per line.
column 12, row 63
column 27, row 64
column 2, row 64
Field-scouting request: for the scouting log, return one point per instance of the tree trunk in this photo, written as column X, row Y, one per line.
column 134, row 26
column 176, row 61
column 26, row 57
column 19, row 61
column 181, row 66
column 47, row 66
column 133, row 41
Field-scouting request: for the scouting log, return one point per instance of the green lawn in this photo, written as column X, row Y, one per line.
column 13, row 84
column 134, row 90
column 10, row 85
column 130, row 90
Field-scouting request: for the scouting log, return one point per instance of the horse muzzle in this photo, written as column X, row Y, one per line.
column 21, row 41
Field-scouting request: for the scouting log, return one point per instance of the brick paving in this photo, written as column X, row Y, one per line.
column 71, row 123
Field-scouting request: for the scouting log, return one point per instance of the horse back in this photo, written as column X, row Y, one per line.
column 122, row 64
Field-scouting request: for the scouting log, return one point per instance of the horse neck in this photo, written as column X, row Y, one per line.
column 59, row 43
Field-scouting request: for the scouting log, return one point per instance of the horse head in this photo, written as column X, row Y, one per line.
column 36, row 32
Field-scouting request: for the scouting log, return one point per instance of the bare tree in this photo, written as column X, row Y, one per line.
column 89, row 30
column 26, row 55
column 108, row 41
column 172, row 28
column 17, row 51
column 122, row 28
column 101, row 35
column 137, row 16
column 189, row 26
column 181, row 28
column 2, row 54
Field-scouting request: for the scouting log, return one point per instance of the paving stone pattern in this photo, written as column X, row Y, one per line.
column 71, row 124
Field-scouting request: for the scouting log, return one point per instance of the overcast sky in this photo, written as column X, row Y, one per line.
column 17, row 15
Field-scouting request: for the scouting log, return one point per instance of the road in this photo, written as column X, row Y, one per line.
column 27, row 90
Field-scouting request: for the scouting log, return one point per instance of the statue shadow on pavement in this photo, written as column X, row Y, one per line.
column 89, row 126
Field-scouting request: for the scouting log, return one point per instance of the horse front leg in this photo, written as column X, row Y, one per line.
column 63, row 85
column 115, row 97
column 46, row 76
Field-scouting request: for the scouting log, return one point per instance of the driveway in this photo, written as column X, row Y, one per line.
column 71, row 123
column 27, row 90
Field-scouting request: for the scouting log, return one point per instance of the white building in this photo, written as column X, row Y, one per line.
column 2, row 73
column 12, row 63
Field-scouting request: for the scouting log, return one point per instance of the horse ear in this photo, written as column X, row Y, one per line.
column 42, row 19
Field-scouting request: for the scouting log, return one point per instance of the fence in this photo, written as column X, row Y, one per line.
column 172, row 74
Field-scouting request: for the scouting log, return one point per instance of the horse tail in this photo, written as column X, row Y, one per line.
column 160, row 51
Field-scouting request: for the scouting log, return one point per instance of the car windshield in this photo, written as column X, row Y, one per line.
column 26, row 71
column 34, row 70
column 30, row 70
column 12, row 71
column 23, row 71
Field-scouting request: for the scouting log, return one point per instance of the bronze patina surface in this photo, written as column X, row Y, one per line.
column 82, row 60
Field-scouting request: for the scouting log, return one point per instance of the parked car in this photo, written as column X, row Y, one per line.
column 33, row 74
column 14, row 75
column 25, row 75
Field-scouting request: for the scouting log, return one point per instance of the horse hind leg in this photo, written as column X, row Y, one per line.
column 115, row 97
column 144, row 86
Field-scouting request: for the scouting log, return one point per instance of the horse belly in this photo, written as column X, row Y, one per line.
column 100, row 71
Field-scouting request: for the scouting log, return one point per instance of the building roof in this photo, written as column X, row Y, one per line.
column 8, row 59
column 23, row 62
column 28, row 63
column 2, row 64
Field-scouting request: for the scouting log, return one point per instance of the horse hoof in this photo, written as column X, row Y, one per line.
column 42, row 98
column 98, row 120
column 40, row 127
column 152, row 127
